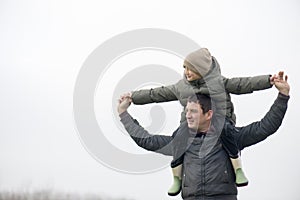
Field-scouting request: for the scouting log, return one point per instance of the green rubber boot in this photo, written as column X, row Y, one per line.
column 241, row 180
column 176, row 187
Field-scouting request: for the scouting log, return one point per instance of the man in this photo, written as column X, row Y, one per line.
column 202, row 73
column 208, row 174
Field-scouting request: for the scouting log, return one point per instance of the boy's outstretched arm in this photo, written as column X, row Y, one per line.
column 153, row 95
column 244, row 85
column 260, row 130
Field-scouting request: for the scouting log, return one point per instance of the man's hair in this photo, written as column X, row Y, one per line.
column 202, row 99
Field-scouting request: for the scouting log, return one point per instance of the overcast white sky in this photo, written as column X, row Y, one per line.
column 45, row 43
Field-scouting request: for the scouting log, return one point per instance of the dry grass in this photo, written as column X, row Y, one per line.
column 49, row 195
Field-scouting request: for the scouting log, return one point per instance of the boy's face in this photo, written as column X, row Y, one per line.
column 190, row 75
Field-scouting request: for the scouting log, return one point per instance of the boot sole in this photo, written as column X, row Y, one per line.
column 241, row 184
column 174, row 194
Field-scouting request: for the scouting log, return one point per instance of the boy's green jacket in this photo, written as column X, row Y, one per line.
column 213, row 84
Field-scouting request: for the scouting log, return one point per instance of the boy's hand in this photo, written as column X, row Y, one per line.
column 272, row 79
column 128, row 94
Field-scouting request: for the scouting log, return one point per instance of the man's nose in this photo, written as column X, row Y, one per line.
column 187, row 115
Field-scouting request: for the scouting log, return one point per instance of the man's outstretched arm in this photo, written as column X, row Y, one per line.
column 258, row 131
column 157, row 143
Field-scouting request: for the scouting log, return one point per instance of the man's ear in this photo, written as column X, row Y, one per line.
column 209, row 114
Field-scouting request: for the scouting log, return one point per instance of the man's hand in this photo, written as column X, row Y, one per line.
column 281, row 83
column 123, row 104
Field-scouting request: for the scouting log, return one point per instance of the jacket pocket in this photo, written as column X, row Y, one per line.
column 229, row 175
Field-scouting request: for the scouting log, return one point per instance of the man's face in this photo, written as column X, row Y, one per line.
column 196, row 119
column 190, row 75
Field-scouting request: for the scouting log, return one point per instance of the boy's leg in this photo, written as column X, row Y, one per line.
column 231, row 148
column 177, row 176
column 241, row 179
column 176, row 166
column 179, row 147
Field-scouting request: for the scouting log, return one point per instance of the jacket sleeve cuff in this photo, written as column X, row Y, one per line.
column 282, row 97
column 141, row 97
column 261, row 82
column 268, row 82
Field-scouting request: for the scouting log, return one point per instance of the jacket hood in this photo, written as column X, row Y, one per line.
column 213, row 72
